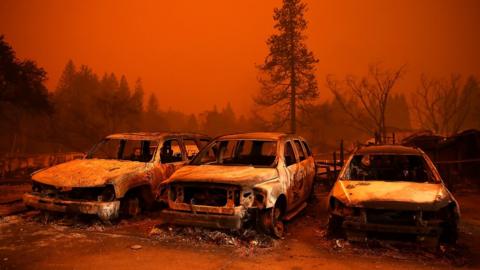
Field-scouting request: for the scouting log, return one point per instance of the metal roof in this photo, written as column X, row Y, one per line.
column 153, row 135
column 258, row 136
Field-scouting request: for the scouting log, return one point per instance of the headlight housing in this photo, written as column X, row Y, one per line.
column 247, row 197
column 107, row 195
column 258, row 198
column 447, row 213
column 339, row 208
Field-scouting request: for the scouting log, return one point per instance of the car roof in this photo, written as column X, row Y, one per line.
column 259, row 136
column 154, row 135
column 389, row 149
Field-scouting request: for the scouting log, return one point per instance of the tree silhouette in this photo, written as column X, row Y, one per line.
column 287, row 75
column 366, row 99
column 473, row 118
column 443, row 105
column 23, row 97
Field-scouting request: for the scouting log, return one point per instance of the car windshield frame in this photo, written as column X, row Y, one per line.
column 429, row 171
column 197, row 160
column 122, row 141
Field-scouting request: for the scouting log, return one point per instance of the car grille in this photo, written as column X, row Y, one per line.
column 206, row 194
column 90, row 193
column 389, row 217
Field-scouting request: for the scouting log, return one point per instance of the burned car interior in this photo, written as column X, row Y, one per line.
column 123, row 149
column 389, row 167
column 171, row 152
column 239, row 152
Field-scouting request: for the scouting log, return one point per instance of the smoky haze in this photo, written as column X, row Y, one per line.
column 197, row 54
column 118, row 66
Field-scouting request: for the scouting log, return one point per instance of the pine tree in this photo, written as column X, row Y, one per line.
column 24, row 99
column 136, row 105
column 152, row 105
column 288, row 73
column 137, row 96
column 67, row 76
column 192, row 123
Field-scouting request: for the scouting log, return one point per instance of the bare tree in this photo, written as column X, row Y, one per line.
column 365, row 100
column 442, row 105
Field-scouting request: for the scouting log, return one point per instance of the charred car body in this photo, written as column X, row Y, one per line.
column 120, row 175
column 392, row 190
column 262, row 177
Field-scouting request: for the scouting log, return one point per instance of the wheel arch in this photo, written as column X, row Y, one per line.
column 282, row 203
column 143, row 191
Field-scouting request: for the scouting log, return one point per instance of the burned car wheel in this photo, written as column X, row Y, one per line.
column 137, row 201
column 272, row 221
column 130, row 206
column 334, row 226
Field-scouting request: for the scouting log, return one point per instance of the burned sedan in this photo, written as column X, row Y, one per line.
column 118, row 176
column 264, row 178
column 392, row 191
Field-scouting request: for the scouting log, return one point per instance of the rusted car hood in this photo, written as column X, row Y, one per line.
column 395, row 195
column 237, row 175
column 87, row 172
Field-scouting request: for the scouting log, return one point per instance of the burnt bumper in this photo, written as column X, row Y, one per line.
column 203, row 220
column 388, row 228
column 104, row 210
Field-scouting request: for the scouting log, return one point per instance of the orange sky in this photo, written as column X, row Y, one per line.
column 195, row 54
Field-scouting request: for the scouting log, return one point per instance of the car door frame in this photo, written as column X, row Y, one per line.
column 308, row 167
column 197, row 143
column 293, row 199
column 162, row 171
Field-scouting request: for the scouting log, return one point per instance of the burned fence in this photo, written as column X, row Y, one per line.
column 457, row 157
column 328, row 166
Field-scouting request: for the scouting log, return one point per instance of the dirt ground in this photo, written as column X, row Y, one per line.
column 34, row 240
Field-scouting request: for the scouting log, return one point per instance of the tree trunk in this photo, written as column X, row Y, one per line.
column 293, row 120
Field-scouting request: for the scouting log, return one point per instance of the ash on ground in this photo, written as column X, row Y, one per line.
column 198, row 236
column 452, row 254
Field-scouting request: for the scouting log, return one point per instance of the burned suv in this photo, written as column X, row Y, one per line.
column 262, row 177
column 392, row 190
column 118, row 176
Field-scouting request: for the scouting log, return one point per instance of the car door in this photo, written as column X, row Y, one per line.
column 293, row 174
column 306, row 170
column 171, row 157
column 312, row 169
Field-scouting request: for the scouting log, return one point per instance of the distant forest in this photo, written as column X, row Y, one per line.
column 86, row 106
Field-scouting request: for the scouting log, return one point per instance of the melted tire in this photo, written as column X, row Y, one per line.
column 272, row 223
